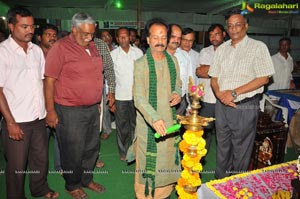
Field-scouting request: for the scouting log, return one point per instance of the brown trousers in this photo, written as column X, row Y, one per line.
column 32, row 149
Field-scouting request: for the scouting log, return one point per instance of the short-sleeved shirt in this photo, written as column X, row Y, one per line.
column 283, row 72
column 206, row 58
column 123, row 67
column 239, row 65
column 78, row 72
column 21, row 77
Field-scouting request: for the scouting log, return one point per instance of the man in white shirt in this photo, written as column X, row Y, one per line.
column 283, row 65
column 216, row 37
column 187, row 41
column 174, row 37
column 132, row 36
column 22, row 105
column 125, row 114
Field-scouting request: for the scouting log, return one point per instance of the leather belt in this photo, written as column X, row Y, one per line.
column 84, row 106
column 248, row 99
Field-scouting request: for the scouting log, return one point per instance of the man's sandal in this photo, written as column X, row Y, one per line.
column 77, row 194
column 96, row 187
column 99, row 164
column 51, row 194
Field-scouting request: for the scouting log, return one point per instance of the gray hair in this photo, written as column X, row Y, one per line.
column 82, row 18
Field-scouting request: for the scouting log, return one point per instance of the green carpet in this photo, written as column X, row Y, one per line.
column 116, row 176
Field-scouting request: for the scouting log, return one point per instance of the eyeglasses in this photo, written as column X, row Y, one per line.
column 187, row 40
column 86, row 34
column 237, row 25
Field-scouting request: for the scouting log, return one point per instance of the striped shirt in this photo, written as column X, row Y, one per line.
column 237, row 66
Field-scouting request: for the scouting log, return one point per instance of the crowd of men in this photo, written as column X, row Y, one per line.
column 61, row 85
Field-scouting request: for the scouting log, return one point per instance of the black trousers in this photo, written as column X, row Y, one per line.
column 125, row 117
column 78, row 138
column 208, row 110
column 181, row 107
column 235, row 133
column 32, row 149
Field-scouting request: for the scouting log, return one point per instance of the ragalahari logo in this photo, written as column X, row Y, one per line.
column 246, row 8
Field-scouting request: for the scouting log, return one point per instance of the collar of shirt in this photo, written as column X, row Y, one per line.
column 283, row 58
column 121, row 50
column 91, row 44
column 15, row 46
column 210, row 49
column 241, row 44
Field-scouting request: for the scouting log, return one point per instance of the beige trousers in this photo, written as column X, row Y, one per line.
column 160, row 192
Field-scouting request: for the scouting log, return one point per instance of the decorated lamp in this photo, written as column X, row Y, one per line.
column 192, row 145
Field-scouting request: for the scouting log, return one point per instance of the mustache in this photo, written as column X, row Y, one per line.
column 159, row 45
column 52, row 41
column 29, row 34
column 177, row 43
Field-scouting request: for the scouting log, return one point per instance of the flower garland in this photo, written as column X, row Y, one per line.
column 193, row 148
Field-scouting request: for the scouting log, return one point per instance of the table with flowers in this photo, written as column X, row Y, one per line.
column 258, row 184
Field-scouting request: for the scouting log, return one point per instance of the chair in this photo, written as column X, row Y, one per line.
column 270, row 140
column 283, row 109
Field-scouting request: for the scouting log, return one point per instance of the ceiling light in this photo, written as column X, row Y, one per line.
column 118, row 4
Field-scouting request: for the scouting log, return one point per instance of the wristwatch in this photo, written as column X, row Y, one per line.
column 234, row 94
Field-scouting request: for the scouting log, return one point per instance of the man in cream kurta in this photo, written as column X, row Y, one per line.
column 166, row 171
